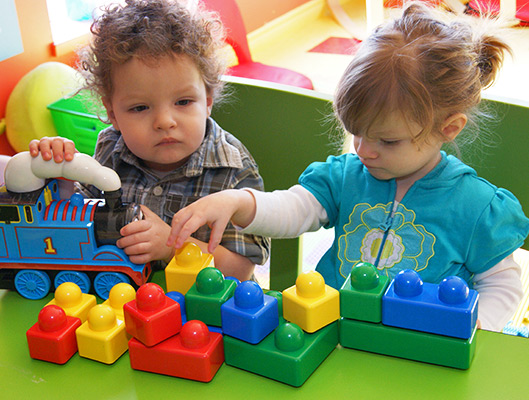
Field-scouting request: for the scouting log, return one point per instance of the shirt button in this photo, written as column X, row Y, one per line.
column 157, row 191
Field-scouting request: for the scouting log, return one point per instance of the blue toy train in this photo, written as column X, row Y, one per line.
column 46, row 240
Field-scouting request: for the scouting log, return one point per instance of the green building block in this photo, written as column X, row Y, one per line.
column 208, row 293
column 288, row 354
column 403, row 343
column 361, row 294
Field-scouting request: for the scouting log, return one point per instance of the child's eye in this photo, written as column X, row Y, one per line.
column 389, row 142
column 184, row 102
column 138, row 108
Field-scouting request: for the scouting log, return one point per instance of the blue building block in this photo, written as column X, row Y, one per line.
column 249, row 315
column 288, row 355
column 449, row 308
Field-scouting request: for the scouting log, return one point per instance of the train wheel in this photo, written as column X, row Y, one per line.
column 32, row 284
column 105, row 281
column 79, row 278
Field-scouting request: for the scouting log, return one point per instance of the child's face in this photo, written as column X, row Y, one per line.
column 160, row 108
column 390, row 153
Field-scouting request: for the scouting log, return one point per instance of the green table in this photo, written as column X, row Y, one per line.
column 500, row 370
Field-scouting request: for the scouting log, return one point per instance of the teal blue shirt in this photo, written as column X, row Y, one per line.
column 450, row 222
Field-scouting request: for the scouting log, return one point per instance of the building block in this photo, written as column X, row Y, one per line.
column 310, row 303
column 288, row 355
column 152, row 317
column 52, row 338
column 102, row 337
column 195, row 353
column 119, row 295
column 181, row 272
column 414, row 345
column 180, row 298
column 449, row 308
column 73, row 301
column 249, row 315
column 361, row 294
column 204, row 299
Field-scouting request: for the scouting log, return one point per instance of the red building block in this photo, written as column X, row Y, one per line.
column 195, row 353
column 152, row 317
column 52, row 338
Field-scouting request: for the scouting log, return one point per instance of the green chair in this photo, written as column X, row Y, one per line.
column 285, row 129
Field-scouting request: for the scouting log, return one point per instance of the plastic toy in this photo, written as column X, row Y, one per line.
column 404, row 343
column 52, row 338
column 249, row 315
column 361, row 293
column 206, row 296
column 48, row 240
column 195, row 353
column 181, row 272
column 118, row 296
column 102, row 337
column 152, row 317
column 310, row 303
column 449, row 308
column 180, row 299
column 288, row 355
column 75, row 303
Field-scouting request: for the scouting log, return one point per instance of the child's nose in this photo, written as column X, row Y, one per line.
column 365, row 148
column 164, row 121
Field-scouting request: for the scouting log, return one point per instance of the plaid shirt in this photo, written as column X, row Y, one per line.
column 221, row 162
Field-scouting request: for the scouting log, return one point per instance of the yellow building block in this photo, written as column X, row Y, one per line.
column 102, row 337
column 181, row 272
column 73, row 301
column 120, row 294
column 310, row 303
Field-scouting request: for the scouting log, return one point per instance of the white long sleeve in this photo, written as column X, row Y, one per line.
column 500, row 291
column 286, row 213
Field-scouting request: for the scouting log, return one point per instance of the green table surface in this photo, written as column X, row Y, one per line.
column 499, row 371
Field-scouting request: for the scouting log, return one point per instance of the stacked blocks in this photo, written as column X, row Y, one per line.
column 119, row 295
column 288, row 355
column 249, row 315
column 449, row 308
column 73, row 301
column 102, row 337
column 204, row 299
column 310, row 303
column 52, row 338
column 361, row 294
column 182, row 270
column 414, row 308
column 195, row 353
column 152, row 316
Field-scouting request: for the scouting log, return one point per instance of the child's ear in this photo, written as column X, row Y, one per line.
column 110, row 112
column 453, row 125
column 209, row 103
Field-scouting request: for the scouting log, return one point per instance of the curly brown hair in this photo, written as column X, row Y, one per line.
column 422, row 67
column 150, row 30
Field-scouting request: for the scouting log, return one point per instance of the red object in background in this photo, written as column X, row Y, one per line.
column 337, row 45
column 5, row 147
column 152, row 317
column 195, row 353
column 236, row 37
column 492, row 7
column 52, row 338
column 399, row 3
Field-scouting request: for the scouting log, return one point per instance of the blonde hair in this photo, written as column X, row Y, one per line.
column 150, row 30
column 419, row 66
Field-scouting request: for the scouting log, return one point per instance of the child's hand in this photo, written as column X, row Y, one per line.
column 215, row 210
column 145, row 240
column 57, row 147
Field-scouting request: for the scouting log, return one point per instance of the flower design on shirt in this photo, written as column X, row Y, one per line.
column 391, row 243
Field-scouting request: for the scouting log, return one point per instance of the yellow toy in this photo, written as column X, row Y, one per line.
column 103, row 336
column 73, row 301
column 310, row 303
column 120, row 294
column 181, row 272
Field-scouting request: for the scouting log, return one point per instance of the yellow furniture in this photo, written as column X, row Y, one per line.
column 181, row 272
column 311, row 304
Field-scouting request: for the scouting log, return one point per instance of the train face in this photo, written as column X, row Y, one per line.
column 46, row 240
